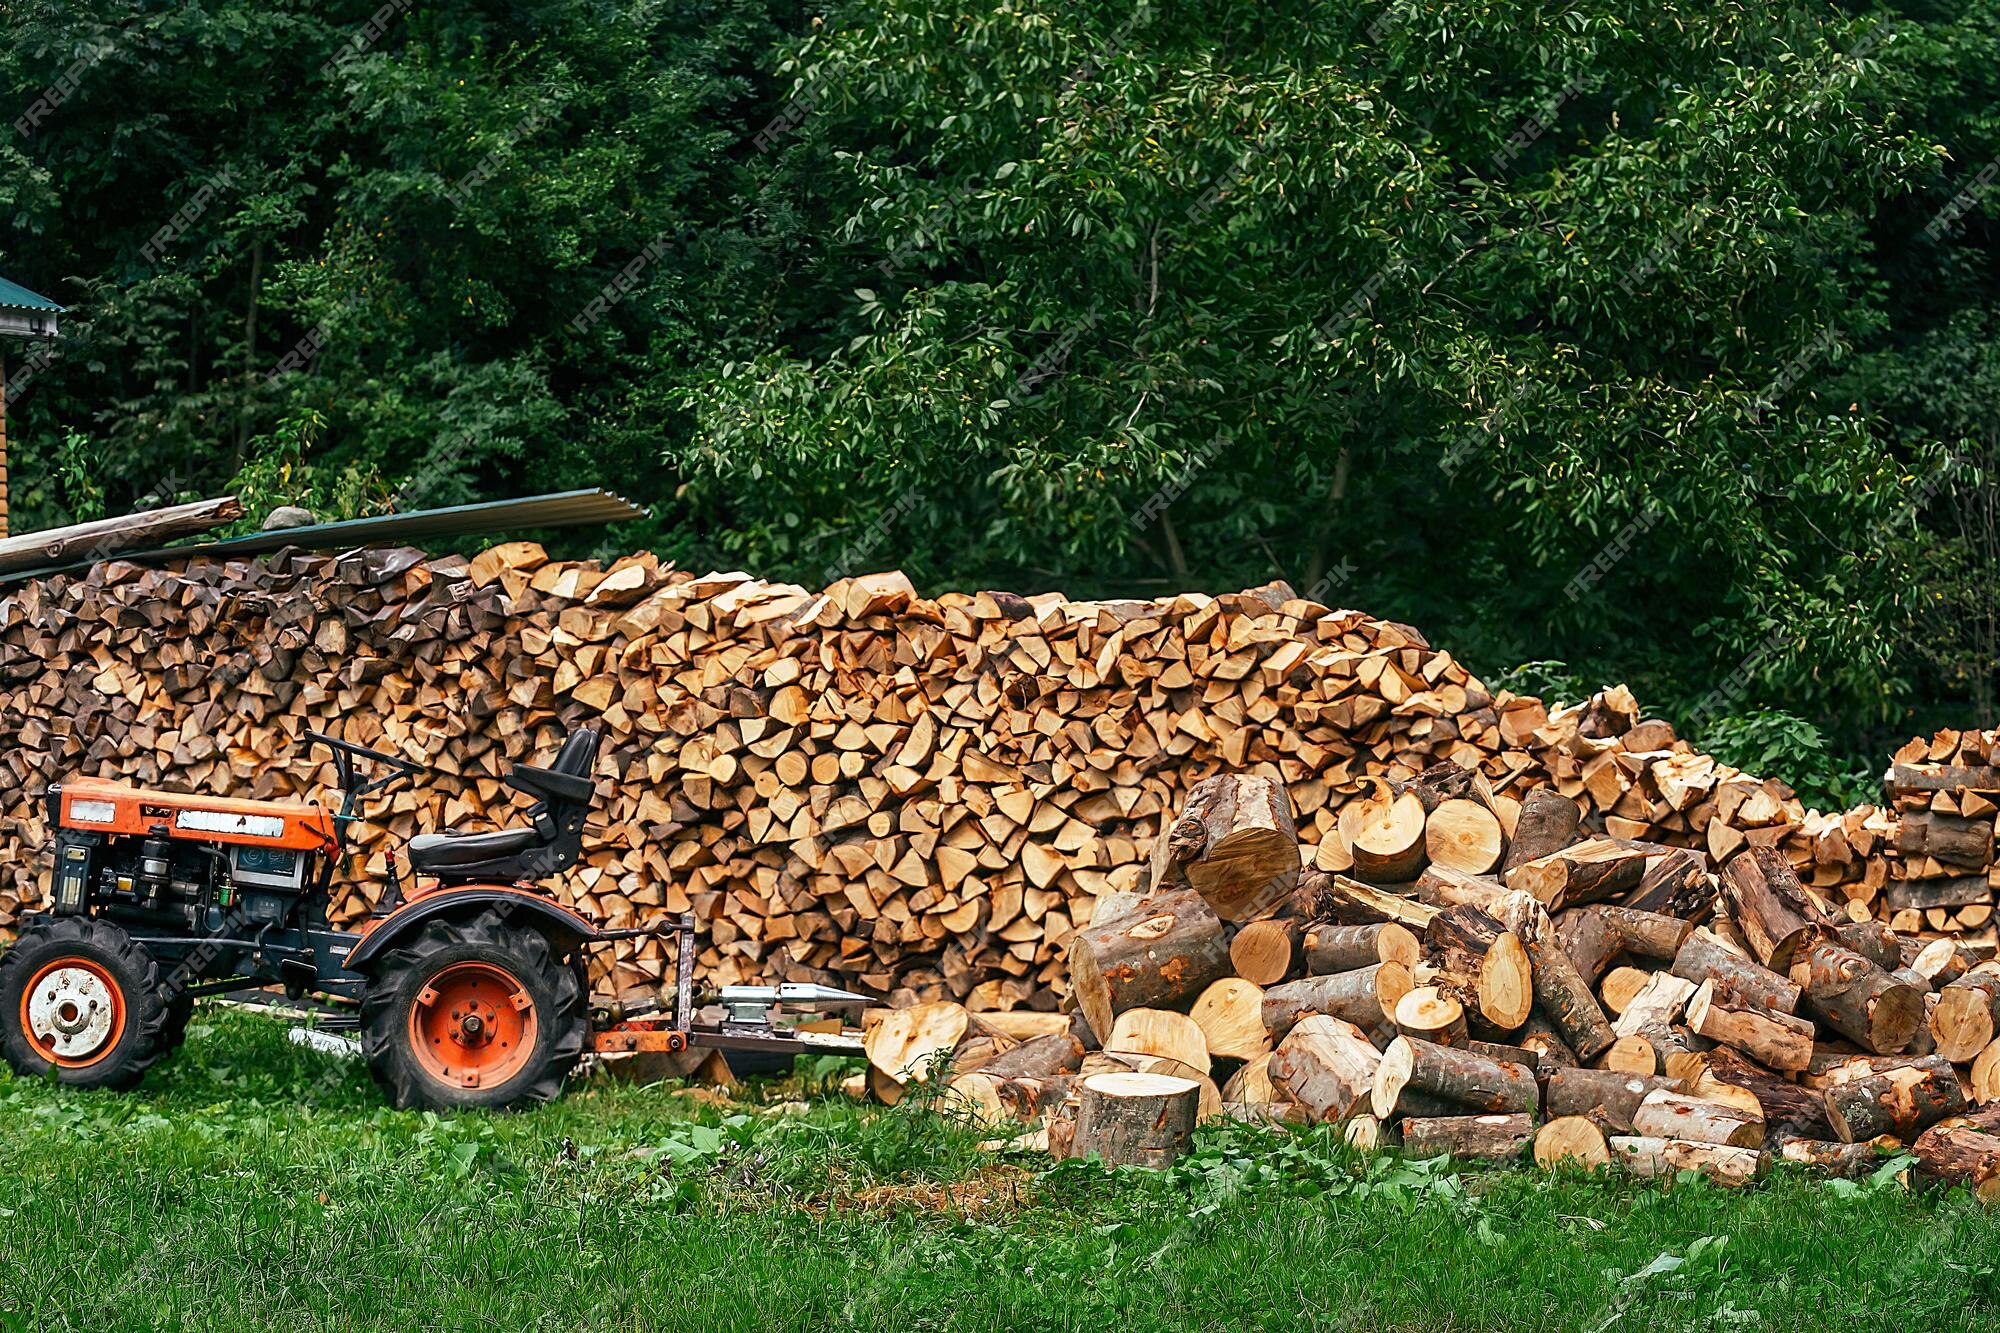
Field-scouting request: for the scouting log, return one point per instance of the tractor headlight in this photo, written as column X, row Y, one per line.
column 93, row 812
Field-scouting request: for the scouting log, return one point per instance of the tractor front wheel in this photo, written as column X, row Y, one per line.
column 472, row 1014
column 81, row 1000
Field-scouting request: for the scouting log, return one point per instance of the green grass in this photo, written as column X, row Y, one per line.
column 249, row 1184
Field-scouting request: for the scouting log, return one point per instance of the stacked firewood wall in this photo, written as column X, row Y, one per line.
column 856, row 785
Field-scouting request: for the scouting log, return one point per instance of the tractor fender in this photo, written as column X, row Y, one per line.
column 564, row 927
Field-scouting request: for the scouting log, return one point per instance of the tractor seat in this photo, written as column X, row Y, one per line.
column 551, row 841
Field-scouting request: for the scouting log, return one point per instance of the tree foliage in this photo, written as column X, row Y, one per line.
column 1655, row 341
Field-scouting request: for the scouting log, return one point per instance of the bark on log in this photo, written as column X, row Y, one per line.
column 1677, row 884
column 1858, row 999
column 1873, row 941
column 1386, row 837
column 1159, row 954
column 1551, row 1051
column 1949, row 1155
column 1845, row 1161
column 1562, row 994
column 1771, row 906
column 1365, row 997
column 104, row 537
column 1645, row 934
column 1653, row 1159
column 1456, row 1076
column 1487, row 960
column 1237, row 845
column 1586, row 872
column 1776, row 1040
column 1604, row 1096
column 1548, row 824
column 1327, row 1067
column 1329, row 949
column 1897, row 1101
column 1488, row 1138
column 1739, row 982
column 1674, row 1115
column 1143, row 1120
column 1787, row 1108
column 1039, row 1057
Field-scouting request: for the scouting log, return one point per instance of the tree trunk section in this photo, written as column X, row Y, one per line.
column 1237, row 846
column 1329, row 949
column 1673, row 1115
column 1897, row 1101
column 1263, row 951
column 1365, row 997
column 1571, row 1140
column 1739, row 982
column 1465, row 836
column 1135, row 1119
column 1327, row 1066
column 1605, row 1096
column 1858, row 999
column 1486, row 1138
column 1548, row 823
column 1655, row 1159
column 1967, row 1017
column 1947, row 1155
column 1458, row 1077
column 1771, row 906
column 1586, row 872
column 1159, row 954
column 1778, row 1041
column 1230, row 1014
column 1559, row 989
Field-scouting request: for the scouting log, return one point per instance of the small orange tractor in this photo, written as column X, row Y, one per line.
column 471, row 991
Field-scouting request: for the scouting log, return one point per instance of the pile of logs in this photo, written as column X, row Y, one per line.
column 1582, row 999
column 872, row 789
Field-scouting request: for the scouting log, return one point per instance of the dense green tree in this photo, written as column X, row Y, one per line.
column 1648, row 344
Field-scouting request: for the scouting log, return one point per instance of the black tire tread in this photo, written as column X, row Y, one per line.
column 526, row 951
column 146, row 1008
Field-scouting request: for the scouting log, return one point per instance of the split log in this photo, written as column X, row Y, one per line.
column 1489, row 1138
column 1486, row 960
column 1237, row 845
column 1858, row 999
column 907, row 1043
column 1604, row 1096
column 1264, row 951
column 1329, row 948
column 1776, row 1040
column 1160, row 1032
column 1143, row 1120
column 1896, row 1101
column 1787, row 1108
column 1365, row 997
column 1967, row 1017
column 1428, row 1013
column 1738, row 982
column 1586, row 872
column 1655, row 1159
column 1230, row 1014
column 1161, row 953
column 1465, row 836
column 1771, row 906
column 1985, row 1075
column 1327, row 1067
column 1676, row 884
column 1350, row 900
column 1947, row 1155
column 1459, row 1077
column 1548, row 824
column 1562, row 994
column 1943, row 961
column 1673, row 1115
column 1571, row 1140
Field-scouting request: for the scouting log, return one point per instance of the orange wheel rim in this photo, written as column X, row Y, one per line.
column 73, row 1013
column 473, row 1026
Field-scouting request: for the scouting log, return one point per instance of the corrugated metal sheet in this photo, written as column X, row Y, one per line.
column 560, row 510
column 14, row 296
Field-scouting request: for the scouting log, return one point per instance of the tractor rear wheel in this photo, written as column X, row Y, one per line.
column 81, row 999
column 472, row 1014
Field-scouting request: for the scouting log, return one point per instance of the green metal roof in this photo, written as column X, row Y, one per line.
column 13, row 296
